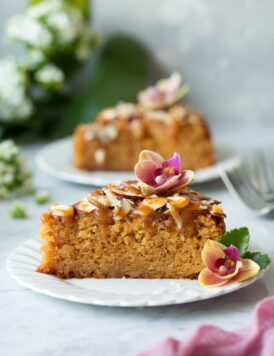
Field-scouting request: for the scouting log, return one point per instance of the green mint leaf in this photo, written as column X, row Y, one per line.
column 238, row 238
column 263, row 260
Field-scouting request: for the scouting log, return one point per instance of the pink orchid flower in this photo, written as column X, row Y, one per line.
column 165, row 93
column 224, row 265
column 158, row 175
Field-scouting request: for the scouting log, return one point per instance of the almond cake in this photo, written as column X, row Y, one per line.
column 136, row 229
column 157, row 122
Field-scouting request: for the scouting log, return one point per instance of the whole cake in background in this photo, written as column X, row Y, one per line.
column 152, row 228
column 156, row 122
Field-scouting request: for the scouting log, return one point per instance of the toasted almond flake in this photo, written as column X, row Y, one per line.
column 108, row 114
column 121, row 210
column 144, row 210
column 89, row 135
column 178, row 202
column 126, row 206
column 99, row 156
column 112, row 197
column 107, row 133
column 98, row 199
column 176, row 215
column 61, row 210
column 194, row 118
column 85, row 205
column 126, row 110
column 126, row 189
column 217, row 209
column 155, row 203
column 158, row 116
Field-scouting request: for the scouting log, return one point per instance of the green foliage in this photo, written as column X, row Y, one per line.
column 263, row 260
column 83, row 5
column 42, row 197
column 18, row 211
column 238, row 238
column 122, row 70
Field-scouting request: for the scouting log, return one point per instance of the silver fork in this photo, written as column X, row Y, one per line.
column 252, row 181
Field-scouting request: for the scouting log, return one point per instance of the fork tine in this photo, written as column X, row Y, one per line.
column 241, row 188
column 263, row 171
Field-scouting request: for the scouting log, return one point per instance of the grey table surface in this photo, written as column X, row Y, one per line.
column 33, row 324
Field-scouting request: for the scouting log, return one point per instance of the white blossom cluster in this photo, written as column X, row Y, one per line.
column 15, row 177
column 48, row 30
column 14, row 103
column 53, row 25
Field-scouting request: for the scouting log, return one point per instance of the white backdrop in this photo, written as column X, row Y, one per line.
column 224, row 49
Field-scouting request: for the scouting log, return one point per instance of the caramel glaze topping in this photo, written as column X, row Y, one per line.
column 132, row 112
column 126, row 201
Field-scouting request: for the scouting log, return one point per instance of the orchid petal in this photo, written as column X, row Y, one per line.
column 144, row 171
column 208, row 278
column 249, row 269
column 171, row 184
column 174, row 183
column 186, row 177
column 212, row 252
column 147, row 155
column 175, row 162
column 233, row 253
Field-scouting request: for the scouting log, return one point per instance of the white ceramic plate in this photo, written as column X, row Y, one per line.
column 23, row 261
column 56, row 160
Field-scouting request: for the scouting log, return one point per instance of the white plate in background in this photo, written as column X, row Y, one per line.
column 56, row 160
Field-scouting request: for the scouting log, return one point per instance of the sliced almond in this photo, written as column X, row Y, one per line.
column 112, row 197
column 121, row 210
column 125, row 206
column 108, row 114
column 217, row 209
column 61, row 210
column 127, row 189
column 99, row 156
column 176, row 215
column 98, row 199
column 144, row 210
column 86, row 206
column 155, row 203
column 178, row 201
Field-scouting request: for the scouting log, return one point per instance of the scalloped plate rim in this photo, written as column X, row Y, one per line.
column 101, row 299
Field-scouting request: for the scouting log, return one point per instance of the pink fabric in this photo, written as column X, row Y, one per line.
column 257, row 340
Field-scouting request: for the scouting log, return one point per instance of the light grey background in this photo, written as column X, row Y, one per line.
column 224, row 48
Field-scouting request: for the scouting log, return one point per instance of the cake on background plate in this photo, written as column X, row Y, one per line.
column 157, row 122
column 152, row 228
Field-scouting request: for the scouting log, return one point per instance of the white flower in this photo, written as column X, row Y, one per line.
column 33, row 59
column 14, row 174
column 14, row 103
column 51, row 76
column 66, row 26
column 8, row 150
column 25, row 29
column 44, row 8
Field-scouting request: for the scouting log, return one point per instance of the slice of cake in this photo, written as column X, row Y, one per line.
column 157, row 122
column 152, row 228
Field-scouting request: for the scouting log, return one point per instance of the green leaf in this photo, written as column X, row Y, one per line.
column 263, row 260
column 237, row 237
column 122, row 70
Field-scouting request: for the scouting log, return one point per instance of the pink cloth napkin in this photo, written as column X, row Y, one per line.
column 257, row 340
